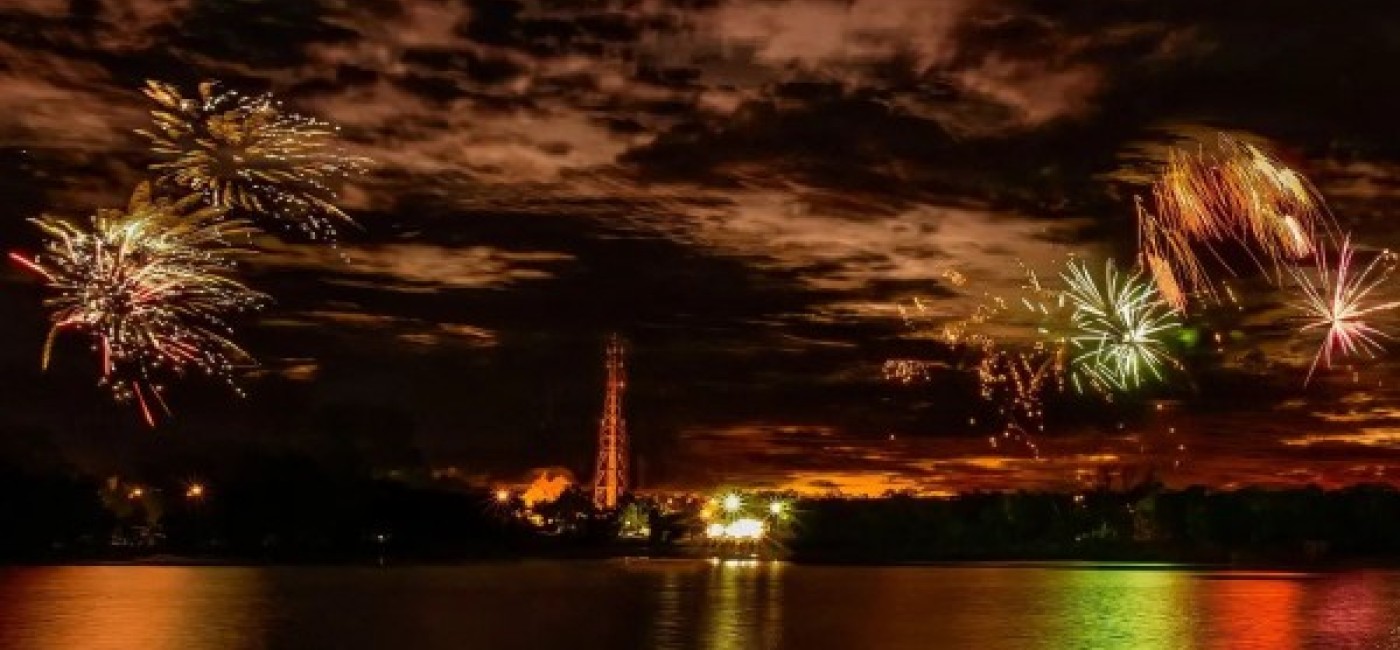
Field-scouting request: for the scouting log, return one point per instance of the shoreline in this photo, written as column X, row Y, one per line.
column 1280, row 567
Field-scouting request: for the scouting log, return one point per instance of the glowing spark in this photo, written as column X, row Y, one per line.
column 1013, row 379
column 1016, row 382
column 1337, row 304
column 907, row 371
column 955, row 277
column 1119, row 321
column 246, row 153
column 150, row 285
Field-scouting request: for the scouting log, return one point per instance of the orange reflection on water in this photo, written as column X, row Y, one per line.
column 1257, row 611
column 146, row 608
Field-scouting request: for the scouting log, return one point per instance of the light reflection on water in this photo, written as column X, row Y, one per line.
column 683, row 605
column 746, row 606
column 153, row 608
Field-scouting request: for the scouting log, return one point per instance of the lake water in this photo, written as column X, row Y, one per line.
column 618, row 605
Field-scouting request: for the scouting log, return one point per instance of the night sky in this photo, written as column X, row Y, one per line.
column 747, row 191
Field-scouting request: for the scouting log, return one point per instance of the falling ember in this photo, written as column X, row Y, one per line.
column 150, row 284
column 1166, row 283
column 907, row 371
column 1170, row 259
column 1301, row 245
column 1016, row 383
column 1012, row 378
column 246, row 154
column 1337, row 304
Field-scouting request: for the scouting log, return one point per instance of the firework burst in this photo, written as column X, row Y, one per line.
column 1337, row 304
column 246, row 154
column 1119, row 323
column 1231, row 192
column 149, row 285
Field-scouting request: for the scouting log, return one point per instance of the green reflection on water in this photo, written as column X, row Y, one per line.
column 1140, row 609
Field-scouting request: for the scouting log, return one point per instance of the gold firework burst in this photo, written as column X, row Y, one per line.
column 150, row 286
column 247, row 154
column 1226, row 192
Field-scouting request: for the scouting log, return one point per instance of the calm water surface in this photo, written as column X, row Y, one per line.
column 678, row 604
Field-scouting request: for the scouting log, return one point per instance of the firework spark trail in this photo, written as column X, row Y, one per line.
column 1174, row 265
column 1104, row 333
column 1017, row 379
column 1016, row 382
column 1337, row 304
column 150, row 285
column 1012, row 378
column 245, row 153
column 1230, row 193
column 1119, row 321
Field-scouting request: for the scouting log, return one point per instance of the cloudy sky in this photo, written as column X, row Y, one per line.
column 748, row 191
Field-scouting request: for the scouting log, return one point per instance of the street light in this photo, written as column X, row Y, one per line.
column 733, row 502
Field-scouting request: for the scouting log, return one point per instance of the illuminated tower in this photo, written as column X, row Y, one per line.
column 610, row 477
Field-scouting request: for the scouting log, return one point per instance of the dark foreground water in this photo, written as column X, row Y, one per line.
column 618, row 605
